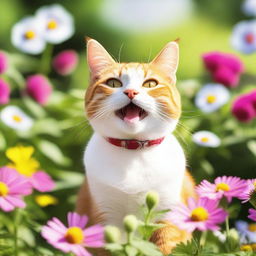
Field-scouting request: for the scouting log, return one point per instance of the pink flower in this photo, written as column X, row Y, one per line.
column 41, row 181
column 3, row 62
column 202, row 214
column 12, row 187
column 213, row 60
column 227, row 187
column 65, row 62
column 252, row 214
column 39, row 88
column 4, row 92
column 74, row 237
column 243, row 108
column 226, row 76
column 248, row 192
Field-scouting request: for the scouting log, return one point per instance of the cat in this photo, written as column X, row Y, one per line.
column 133, row 109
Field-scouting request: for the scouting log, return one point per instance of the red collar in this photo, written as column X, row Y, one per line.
column 134, row 144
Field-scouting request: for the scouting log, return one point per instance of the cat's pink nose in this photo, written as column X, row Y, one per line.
column 131, row 93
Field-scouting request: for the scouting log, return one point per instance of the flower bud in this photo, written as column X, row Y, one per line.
column 39, row 88
column 3, row 62
column 4, row 92
column 130, row 223
column 112, row 234
column 65, row 62
column 152, row 199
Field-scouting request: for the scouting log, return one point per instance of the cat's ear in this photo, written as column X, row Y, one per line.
column 97, row 57
column 168, row 59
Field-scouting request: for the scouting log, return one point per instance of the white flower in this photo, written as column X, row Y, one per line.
column 26, row 35
column 243, row 37
column 206, row 139
column 58, row 23
column 15, row 118
column 246, row 231
column 249, row 7
column 211, row 97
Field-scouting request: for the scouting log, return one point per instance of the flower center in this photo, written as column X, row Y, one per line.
column 30, row 34
column 246, row 247
column 252, row 227
column 249, row 38
column 3, row 189
column 74, row 235
column 222, row 186
column 52, row 24
column 17, row 118
column 211, row 99
column 199, row 214
column 253, row 247
column 204, row 139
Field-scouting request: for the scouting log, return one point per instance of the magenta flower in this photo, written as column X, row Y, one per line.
column 225, row 68
column 226, row 76
column 202, row 214
column 3, row 62
column 4, row 92
column 227, row 187
column 243, row 108
column 12, row 187
column 65, row 62
column 214, row 60
column 252, row 214
column 39, row 88
column 74, row 237
column 253, row 99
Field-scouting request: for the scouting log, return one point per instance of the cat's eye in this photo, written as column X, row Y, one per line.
column 150, row 83
column 114, row 83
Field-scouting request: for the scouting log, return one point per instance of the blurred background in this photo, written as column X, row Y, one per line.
column 135, row 30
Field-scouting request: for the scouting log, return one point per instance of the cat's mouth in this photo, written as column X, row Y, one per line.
column 131, row 113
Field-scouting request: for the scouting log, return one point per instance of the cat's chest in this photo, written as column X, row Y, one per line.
column 119, row 178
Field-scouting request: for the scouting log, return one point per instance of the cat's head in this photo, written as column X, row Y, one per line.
column 132, row 100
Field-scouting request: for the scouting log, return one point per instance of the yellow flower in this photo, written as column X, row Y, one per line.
column 22, row 160
column 45, row 200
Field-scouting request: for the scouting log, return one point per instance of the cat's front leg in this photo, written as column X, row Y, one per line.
column 167, row 237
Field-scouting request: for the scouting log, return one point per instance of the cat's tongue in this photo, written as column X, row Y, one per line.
column 132, row 114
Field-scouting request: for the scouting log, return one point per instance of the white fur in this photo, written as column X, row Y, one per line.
column 119, row 178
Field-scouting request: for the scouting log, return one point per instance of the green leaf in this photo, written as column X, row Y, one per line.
column 147, row 230
column 208, row 168
column 34, row 108
column 47, row 126
column 53, row 152
column 69, row 179
column 2, row 142
column 252, row 146
column 131, row 251
column 26, row 235
column 147, row 248
column 114, row 247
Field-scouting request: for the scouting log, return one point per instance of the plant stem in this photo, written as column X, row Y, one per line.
column 45, row 64
column 227, row 233
column 15, row 231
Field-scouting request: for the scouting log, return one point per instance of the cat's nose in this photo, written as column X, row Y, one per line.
column 131, row 93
